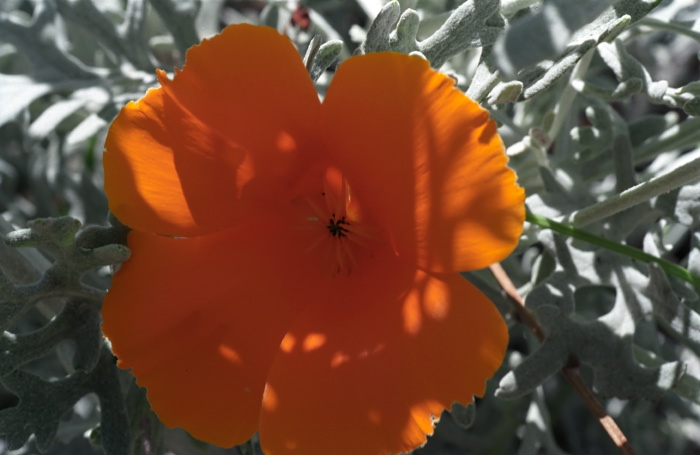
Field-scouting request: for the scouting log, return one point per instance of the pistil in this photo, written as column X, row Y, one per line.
column 341, row 234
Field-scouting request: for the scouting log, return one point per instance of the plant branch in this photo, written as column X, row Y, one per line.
column 637, row 194
column 570, row 372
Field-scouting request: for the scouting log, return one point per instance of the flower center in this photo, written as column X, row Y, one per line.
column 342, row 235
column 335, row 227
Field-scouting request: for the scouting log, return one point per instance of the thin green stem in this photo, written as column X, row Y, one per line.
column 669, row 267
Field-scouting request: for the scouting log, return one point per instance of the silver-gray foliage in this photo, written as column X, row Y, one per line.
column 92, row 368
column 593, row 98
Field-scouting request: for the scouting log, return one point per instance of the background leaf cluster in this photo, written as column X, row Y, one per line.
column 596, row 100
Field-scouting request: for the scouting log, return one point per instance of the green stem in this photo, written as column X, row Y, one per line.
column 669, row 267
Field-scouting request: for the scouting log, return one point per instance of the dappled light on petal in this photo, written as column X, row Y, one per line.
column 383, row 373
column 199, row 323
column 231, row 131
column 162, row 166
column 429, row 159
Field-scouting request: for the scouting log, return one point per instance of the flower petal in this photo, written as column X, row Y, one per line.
column 234, row 127
column 368, row 369
column 429, row 160
column 200, row 319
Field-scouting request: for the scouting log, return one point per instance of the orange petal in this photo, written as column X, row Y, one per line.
column 429, row 160
column 368, row 370
column 234, row 127
column 199, row 321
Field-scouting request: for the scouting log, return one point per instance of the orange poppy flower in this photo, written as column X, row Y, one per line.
column 294, row 264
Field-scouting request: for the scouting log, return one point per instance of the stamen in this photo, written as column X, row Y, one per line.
column 341, row 234
column 337, row 228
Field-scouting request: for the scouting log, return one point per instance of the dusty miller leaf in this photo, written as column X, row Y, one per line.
column 606, row 27
column 472, row 24
column 605, row 344
column 17, row 93
column 545, row 34
column 538, row 435
column 48, row 61
column 179, row 18
column 42, row 404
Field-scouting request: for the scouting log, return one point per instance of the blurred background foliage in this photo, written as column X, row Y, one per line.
column 597, row 103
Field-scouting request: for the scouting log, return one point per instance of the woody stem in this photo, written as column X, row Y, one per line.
column 570, row 371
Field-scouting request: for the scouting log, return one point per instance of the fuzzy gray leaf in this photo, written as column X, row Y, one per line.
column 687, row 209
column 545, row 34
column 473, row 24
column 85, row 130
column 48, row 61
column 17, row 93
column 604, row 343
column 85, row 14
column 606, row 27
column 179, row 18
column 403, row 39
column 538, row 435
column 53, row 116
column 616, row 372
column 379, row 32
column 42, row 404
column 327, row 54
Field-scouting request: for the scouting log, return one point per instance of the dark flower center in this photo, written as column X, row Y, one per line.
column 335, row 227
